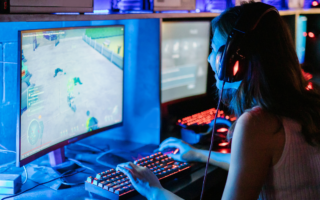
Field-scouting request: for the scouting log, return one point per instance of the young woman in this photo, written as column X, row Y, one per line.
column 276, row 139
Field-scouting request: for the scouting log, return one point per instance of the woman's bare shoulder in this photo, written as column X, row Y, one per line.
column 260, row 120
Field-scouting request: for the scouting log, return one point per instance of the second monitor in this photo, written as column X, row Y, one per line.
column 184, row 51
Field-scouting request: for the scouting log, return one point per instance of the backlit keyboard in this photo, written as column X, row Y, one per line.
column 204, row 117
column 115, row 185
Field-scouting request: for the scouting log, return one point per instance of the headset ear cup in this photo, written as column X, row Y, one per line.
column 243, row 68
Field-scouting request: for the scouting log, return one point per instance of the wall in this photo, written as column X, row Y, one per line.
column 141, row 80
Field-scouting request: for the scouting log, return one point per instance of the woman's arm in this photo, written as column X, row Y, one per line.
column 162, row 194
column 251, row 157
column 188, row 153
column 221, row 160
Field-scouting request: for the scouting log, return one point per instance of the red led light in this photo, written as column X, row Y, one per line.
column 223, row 151
column 311, row 34
column 204, row 117
column 233, row 119
column 310, row 86
column 315, row 3
column 221, row 130
column 223, row 144
column 307, row 76
column 305, row 34
column 235, row 68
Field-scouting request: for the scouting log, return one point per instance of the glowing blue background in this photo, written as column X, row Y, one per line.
column 141, row 80
column 301, row 40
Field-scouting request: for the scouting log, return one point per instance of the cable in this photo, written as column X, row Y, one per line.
column 102, row 154
column 6, row 151
column 81, row 165
column 211, row 145
column 90, row 147
column 7, row 164
column 63, row 176
column 25, row 170
column 3, row 147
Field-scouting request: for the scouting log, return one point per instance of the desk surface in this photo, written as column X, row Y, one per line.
column 187, row 187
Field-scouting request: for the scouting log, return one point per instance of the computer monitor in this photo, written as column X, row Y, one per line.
column 71, row 86
column 184, row 54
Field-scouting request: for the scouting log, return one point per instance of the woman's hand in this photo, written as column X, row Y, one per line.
column 186, row 153
column 142, row 179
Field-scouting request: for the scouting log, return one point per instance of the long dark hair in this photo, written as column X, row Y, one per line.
column 274, row 80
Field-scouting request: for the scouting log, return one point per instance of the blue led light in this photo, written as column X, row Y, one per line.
column 301, row 39
column 101, row 11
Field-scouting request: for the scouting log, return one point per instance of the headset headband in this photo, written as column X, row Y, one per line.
column 233, row 63
column 249, row 13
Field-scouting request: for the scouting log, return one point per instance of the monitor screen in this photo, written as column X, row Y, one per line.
column 184, row 54
column 71, row 85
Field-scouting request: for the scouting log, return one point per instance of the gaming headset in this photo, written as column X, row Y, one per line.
column 231, row 58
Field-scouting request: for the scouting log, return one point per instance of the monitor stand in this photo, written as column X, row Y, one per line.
column 57, row 157
column 58, row 161
column 59, row 166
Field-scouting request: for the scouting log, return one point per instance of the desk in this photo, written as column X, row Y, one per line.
column 187, row 187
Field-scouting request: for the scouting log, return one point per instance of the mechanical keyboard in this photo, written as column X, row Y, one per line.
column 204, row 117
column 115, row 185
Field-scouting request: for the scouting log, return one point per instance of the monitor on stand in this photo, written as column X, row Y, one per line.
column 71, row 87
column 184, row 54
column 185, row 72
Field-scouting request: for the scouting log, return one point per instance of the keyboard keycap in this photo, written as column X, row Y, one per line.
column 98, row 176
column 102, row 184
column 89, row 179
column 95, row 181
column 118, row 191
column 108, row 186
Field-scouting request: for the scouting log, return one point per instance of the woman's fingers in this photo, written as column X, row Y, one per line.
column 127, row 172
column 124, row 165
column 170, row 139
column 169, row 145
column 134, row 167
column 127, row 168
column 175, row 156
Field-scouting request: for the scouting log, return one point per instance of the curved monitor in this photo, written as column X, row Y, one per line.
column 71, row 86
column 184, row 54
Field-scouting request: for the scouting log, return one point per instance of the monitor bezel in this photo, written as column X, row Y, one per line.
column 19, row 162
